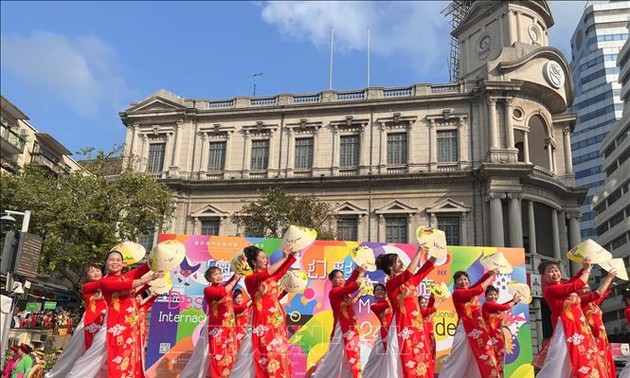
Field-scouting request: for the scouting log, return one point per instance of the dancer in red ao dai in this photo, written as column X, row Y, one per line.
column 124, row 357
column 428, row 308
column 241, row 316
column 343, row 358
column 472, row 354
column 92, row 323
column 625, row 373
column 407, row 352
column 494, row 313
column 572, row 350
column 266, row 353
column 594, row 317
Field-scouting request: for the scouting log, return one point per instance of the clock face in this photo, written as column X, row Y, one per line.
column 534, row 33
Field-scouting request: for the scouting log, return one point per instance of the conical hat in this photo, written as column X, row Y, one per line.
column 366, row 286
column 496, row 261
column 363, row 256
column 160, row 285
column 522, row 289
column 618, row 265
column 294, row 281
column 132, row 252
column 167, row 255
column 589, row 248
column 434, row 240
column 298, row 238
column 440, row 290
column 239, row 264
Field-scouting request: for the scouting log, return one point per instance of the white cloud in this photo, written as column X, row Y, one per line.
column 80, row 71
column 412, row 31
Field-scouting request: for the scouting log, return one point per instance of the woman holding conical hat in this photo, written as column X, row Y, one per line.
column 472, row 354
column 343, row 358
column 407, row 352
column 383, row 311
column 493, row 314
column 124, row 357
column 265, row 351
column 572, row 350
column 428, row 308
column 242, row 312
column 590, row 302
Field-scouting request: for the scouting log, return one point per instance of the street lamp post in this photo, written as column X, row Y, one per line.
column 8, row 220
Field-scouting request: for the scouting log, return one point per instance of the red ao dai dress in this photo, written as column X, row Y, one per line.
column 241, row 317
column 572, row 349
column 594, row 317
column 383, row 311
column 270, row 342
column 493, row 315
column 95, row 310
column 427, row 318
column 124, row 357
column 413, row 341
column 221, row 332
column 626, row 370
column 343, row 358
column 471, row 337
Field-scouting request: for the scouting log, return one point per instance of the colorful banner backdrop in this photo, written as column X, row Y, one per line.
column 177, row 318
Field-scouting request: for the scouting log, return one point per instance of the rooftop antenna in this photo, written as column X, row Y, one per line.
column 254, row 76
column 332, row 47
column 457, row 10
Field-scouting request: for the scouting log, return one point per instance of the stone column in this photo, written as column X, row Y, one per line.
column 335, row 150
column 144, row 153
column 555, row 234
column 462, row 138
column 526, row 147
column 176, row 142
column 531, row 227
column 272, row 170
column 563, row 234
column 568, row 158
column 497, row 237
column 383, row 148
column 228, row 149
column 574, row 236
column 411, row 232
column 203, row 155
column 291, row 152
column 515, row 220
column 247, row 153
column 432, row 146
column 364, row 151
column 168, row 151
column 410, row 157
column 509, row 128
column 549, row 153
column 492, row 118
column 464, row 230
column 381, row 228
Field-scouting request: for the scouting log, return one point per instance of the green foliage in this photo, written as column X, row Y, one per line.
column 82, row 215
column 274, row 211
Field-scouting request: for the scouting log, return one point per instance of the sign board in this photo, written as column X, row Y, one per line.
column 178, row 317
column 27, row 259
column 33, row 306
column 50, row 305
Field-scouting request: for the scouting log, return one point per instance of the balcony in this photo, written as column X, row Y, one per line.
column 41, row 160
column 12, row 142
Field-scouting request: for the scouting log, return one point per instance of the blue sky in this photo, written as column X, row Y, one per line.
column 72, row 66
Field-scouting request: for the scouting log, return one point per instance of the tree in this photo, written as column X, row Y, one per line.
column 271, row 214
column 82, row 215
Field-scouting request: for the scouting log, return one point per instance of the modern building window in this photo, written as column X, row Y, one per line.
column 396, row 229
column 304, row 153
column 347, row 228
column 349, row 151
column 396, row 148
column 216, row 159
column 155, row 161
column 447, row 146
column 210, row 226
column 260, row 155
column 451, row 227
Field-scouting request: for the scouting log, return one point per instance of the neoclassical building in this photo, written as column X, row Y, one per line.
column 486, row 159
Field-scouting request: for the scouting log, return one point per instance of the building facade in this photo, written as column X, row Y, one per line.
column 612, row 203
column 595, row 45
column 487, row 160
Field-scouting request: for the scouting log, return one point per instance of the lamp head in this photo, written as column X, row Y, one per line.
column 7, row 222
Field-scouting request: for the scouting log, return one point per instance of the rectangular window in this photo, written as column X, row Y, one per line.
column 304, row 153
column 146, row 240
column 210, row 226
column 216, row 158
column 260, row 155
column 349, row 151
column 396, row 229
column 155, row 161
column 347, row 228
column 447, row 146
column 451, row 227
column 397, row 148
